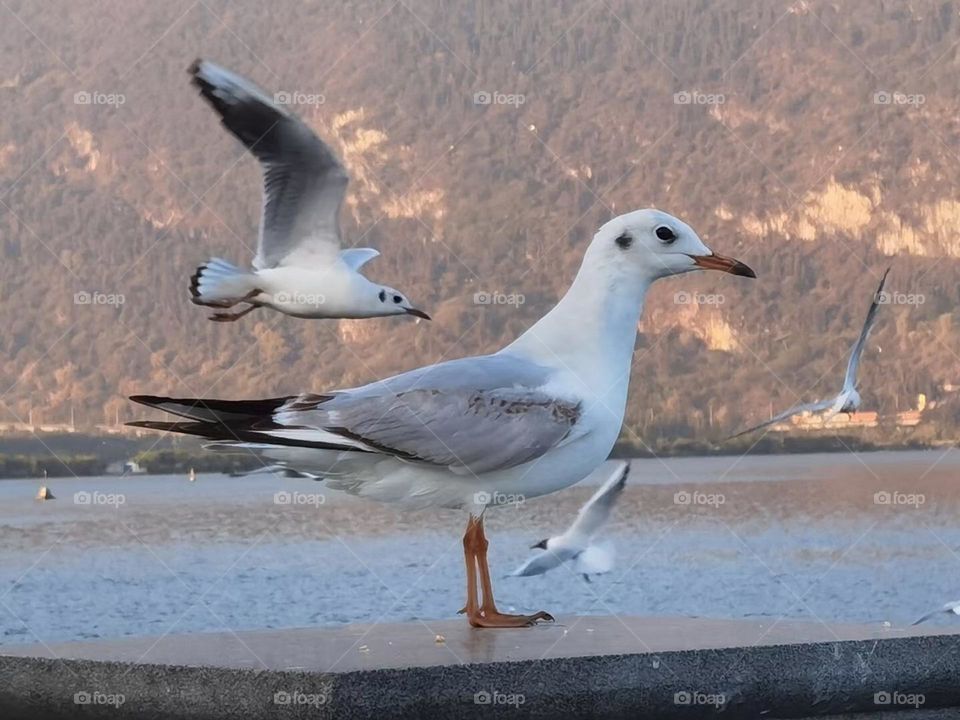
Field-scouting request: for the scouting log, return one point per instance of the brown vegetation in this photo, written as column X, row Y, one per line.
column 800, row 172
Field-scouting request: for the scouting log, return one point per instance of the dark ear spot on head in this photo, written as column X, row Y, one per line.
column 383, row 295
column 624, row 241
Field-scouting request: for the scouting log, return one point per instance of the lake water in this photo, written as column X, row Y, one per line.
column 856, row 538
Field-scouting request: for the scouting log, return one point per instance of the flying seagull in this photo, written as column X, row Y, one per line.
column 576, row 543
column 848, row 399
column 300, row 268
column 535, row 417
column 277, row 469
column 951, row 608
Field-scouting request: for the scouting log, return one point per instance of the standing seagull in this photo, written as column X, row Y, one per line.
column 533, row 418
column 848, row 399
column 950, row 608
column 299, row 268
column 576, row 543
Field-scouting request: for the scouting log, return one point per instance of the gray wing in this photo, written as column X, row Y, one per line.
column 541, row 563
column 458, row 416
column 850, row 379
column 597, row 510
column 795, row 410
column 304, row 182
column 927, row 616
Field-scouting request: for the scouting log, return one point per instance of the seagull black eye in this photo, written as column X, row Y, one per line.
column 397, row 298
column 665, row 234
column 383, row 295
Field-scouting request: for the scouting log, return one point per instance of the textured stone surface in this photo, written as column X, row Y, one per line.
column 581, row 667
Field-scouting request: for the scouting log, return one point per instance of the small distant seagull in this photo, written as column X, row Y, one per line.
column 848, row 398
column 287, row 472
column 299, row 269
column 951, row 608
column 576, row 543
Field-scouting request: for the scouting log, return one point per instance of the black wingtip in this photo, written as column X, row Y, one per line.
column 156, row 425
column 149, row 400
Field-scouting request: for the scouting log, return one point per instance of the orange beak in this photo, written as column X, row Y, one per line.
column 724, row 264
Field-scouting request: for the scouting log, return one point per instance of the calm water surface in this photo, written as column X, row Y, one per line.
column 858, row 538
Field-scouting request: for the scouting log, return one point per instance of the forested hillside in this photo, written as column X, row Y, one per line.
column 817, row 141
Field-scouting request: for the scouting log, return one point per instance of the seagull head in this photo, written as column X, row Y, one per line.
column 658, row 245
column 393, row 302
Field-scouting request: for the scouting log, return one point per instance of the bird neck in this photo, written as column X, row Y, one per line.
column 593, row 329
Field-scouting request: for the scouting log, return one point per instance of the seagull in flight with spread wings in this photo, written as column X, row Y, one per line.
column 300, row 268
column 950, row 608
column 577, row 544
column 848, row 399
column 535, row 417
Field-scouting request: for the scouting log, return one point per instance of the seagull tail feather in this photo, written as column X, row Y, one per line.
column 218, row 283
column 230, row 421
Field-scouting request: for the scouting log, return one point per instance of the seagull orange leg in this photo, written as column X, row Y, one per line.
column 469, row 540
column 487, row 614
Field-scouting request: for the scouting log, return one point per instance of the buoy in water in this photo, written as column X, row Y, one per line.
column 44, row 493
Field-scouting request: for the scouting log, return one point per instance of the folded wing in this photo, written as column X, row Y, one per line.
column 445, row 423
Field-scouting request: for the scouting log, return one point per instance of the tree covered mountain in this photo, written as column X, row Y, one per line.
column 817, row 141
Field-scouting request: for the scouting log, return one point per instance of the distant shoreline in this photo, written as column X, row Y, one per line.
column 774, row 445
column 170, row 461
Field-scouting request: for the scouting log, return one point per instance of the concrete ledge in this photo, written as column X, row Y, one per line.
column 600, row 667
